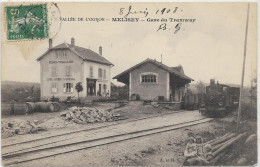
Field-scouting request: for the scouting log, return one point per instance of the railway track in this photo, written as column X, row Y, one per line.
column 87, row 129
column 106, row 135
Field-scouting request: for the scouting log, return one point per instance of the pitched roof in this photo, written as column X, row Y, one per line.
column 178, row 68
column 160, row 65
column 84, row 53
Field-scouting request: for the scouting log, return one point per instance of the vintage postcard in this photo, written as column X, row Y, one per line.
column 129, row 84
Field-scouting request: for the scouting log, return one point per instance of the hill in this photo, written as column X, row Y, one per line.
column 19, row 91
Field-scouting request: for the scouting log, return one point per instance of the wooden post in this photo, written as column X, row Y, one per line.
column 243, row 72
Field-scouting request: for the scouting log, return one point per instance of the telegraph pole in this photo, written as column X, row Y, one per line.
column 243, row 72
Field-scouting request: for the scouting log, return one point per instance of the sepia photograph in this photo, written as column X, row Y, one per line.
column 129, row 83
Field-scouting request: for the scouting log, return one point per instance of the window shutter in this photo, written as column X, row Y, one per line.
column 56, row 88
column 64, row 87
column 71, row 88
column 105, row 74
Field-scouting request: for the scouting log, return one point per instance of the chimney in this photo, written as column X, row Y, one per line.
column 100, row 50
column 50, row 43
column 212, row 84
column 72, row 42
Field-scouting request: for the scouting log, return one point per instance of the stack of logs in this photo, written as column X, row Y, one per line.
column 42, row 107
column 219, row 147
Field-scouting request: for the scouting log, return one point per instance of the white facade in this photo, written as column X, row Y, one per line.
column 62, row 69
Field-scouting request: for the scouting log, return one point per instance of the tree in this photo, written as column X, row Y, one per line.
column 200, row 86
column 79, row 88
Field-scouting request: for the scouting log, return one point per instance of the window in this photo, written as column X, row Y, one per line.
column 105, row 74
column 54, row 71
column 148, row 78
column 61, row 54
column 54, row 88
column 91, row 71
column 68, row 87
column 99, row 73
column 67, row 70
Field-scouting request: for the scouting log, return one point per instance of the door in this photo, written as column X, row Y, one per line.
column 99, row 89
column 91, row 87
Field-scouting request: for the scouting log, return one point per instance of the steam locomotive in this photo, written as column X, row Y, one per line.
column 219, row 99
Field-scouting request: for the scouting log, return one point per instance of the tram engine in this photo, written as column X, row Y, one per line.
column 219, row 99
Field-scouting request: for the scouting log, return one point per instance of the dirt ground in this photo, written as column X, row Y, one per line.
column 164, row 149
column 55, row 125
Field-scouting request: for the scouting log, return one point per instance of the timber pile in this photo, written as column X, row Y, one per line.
column 219, row 147
column 24, row 127
column 42, row 107
column 88, row 115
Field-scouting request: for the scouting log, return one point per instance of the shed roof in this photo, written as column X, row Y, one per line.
column 171, row 70
column 85, row 54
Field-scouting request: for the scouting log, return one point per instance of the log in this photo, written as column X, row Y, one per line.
column 215, row 159
column 251, row 138
column 42, row 107
column 6, row 109
column 30, row 107
column 209, row 142
column 221, row 144
column 20, row 108
column 56, row 106
column 223, row 139
column 229, row 143
column 45, row 106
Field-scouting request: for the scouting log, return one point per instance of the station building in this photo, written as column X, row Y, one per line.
column 64, row 65
column 153, row 80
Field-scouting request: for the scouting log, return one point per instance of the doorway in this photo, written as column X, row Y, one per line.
column 99, row 89
column 91, row 87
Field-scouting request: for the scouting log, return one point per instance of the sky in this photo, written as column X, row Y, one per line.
column 210, row 47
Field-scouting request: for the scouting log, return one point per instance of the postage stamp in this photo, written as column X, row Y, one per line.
column 27, row 22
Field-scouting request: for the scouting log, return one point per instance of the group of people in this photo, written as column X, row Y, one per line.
column 198, row 152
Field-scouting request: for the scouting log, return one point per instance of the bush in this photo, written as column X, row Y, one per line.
column 119, row 92
column 135, row 97
column 54, row 99
column 161, row 98
column 104, row 99
column 71, row 100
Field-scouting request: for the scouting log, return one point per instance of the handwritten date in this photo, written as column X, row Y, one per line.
column 130, row 11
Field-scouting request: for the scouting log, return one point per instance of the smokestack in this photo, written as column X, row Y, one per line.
column 100, row 50
column 50, row 43
column 212, row 84
column 72, row 42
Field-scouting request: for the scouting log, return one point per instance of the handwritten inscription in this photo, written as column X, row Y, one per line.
column 164, row 27
column 130, row 11
column 168, row 18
